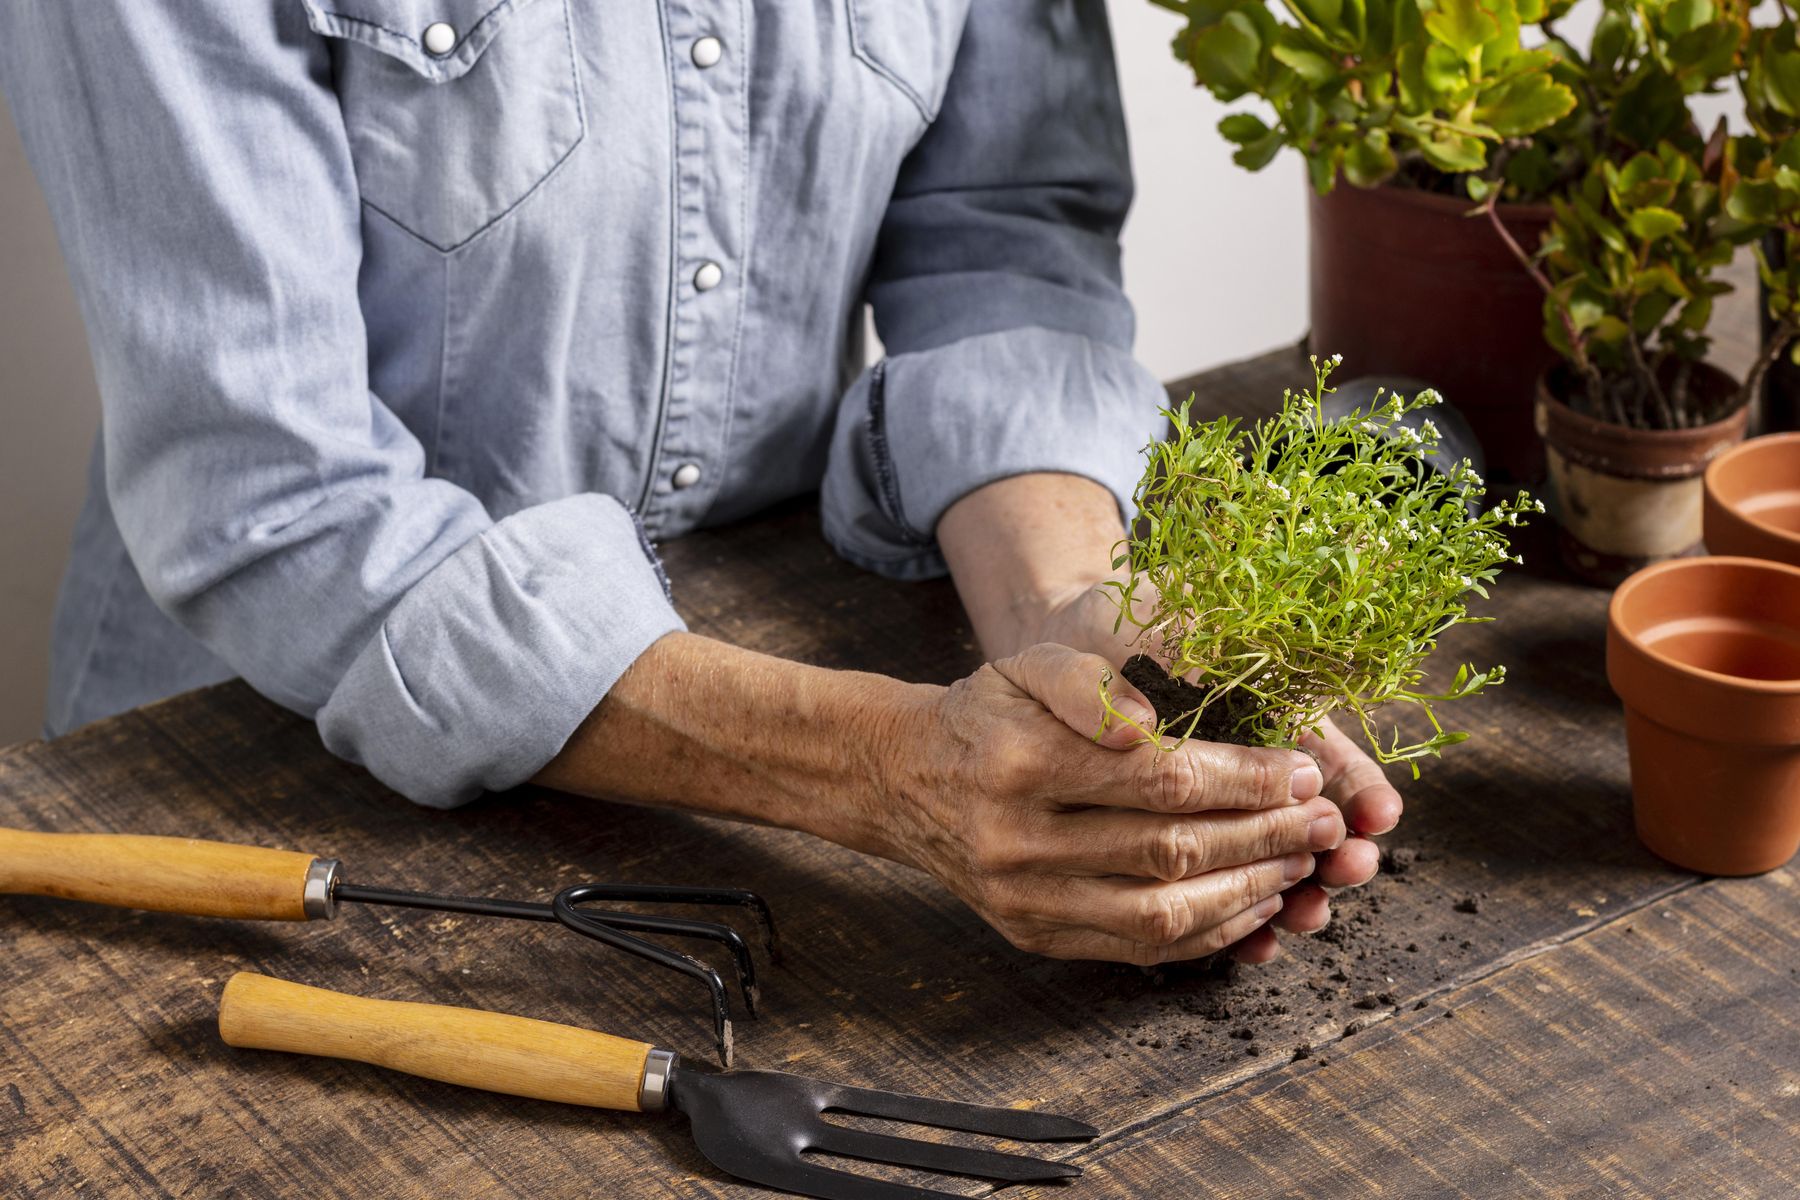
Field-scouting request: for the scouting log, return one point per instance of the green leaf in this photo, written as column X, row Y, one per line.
column 1369, row 160
column 1652, row 223
column 1526, row 105
column 1291, row 52
column 1756, row 200
column 1683, row 15
column 1462, row 25
column 1454, row 153
column 1243, row 128
column 1254, row 156
column 1225, row 56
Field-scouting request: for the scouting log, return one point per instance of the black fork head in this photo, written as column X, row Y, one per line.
column 758, row 1125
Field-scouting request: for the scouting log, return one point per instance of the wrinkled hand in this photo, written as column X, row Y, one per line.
column 1081, row 850
column 1353, row 781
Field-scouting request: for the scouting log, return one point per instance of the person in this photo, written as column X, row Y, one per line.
column 416, row 321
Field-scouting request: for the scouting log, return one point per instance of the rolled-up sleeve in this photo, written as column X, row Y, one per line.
column 996, row 292
column 195, row 157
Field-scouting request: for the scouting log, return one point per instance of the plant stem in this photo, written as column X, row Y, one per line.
column 1577, row 350
column 1780, row 339
column 1648, row 382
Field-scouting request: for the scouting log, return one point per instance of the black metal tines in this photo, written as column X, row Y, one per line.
column 617, row 928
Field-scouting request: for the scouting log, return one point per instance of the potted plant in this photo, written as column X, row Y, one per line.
column 1304, row 566
column 1705, row 654
column 1426, row 105
column 1634, row 414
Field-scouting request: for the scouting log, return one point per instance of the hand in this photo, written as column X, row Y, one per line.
column 1077, row 850
column 1353, row 781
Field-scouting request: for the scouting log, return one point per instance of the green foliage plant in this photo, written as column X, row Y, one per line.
column 1305, row 566
column 1454, row 95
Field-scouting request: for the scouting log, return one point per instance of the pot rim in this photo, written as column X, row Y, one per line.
column 1767, row 687
column 1461, row 205
column 1719, row 465
column 1653, row 436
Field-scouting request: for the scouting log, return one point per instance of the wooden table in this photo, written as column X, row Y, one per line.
column 1527, row 1003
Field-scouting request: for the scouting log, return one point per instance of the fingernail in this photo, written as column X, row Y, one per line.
column 1296, row 867
column 1324, row 833
column 1306, row 783
column 1131, row 710
column 1267, row 908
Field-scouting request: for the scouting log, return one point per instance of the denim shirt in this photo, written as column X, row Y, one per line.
column 414, row 321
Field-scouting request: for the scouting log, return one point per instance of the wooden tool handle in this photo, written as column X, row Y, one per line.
column 182, row 875
column 488, row 1050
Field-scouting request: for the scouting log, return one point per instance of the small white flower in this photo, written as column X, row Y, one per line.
column 1466, row 581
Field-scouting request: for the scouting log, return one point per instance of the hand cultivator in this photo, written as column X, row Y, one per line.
column 215, row 879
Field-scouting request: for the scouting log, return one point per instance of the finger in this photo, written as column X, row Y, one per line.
column 1355, row 781
column 1350, row 865
column 1067, row 682
column 1202, row 776
column 1146, row 911
column 1261, row 946
column 1304, row 909
column 1110, row 841
column 1106, row 947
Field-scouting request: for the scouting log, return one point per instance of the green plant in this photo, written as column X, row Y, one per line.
column 1364, row 85
column 1304, row 566
column 1446, row 95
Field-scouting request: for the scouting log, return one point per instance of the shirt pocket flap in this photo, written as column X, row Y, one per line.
column 397, row 29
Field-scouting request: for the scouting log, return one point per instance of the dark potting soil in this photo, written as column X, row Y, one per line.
column 1176, row 699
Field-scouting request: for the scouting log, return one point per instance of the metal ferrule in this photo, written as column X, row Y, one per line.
column 653, row 1092
column 319, row 900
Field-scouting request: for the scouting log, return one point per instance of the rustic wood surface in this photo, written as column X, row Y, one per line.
column 1515, row 867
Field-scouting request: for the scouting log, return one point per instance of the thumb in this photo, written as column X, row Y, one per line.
column 1068, row 683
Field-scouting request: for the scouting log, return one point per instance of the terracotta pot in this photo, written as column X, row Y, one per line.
column 1705, row 653
column 1624, row 497
column 1752, row 505
column 1403, row 283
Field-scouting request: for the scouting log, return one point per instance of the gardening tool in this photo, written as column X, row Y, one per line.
column 754, row 1124
column 216, row 879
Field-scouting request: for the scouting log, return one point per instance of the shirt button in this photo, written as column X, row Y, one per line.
column 708, row 276
column 707, row 51
column 439, row 39
column 686, row 475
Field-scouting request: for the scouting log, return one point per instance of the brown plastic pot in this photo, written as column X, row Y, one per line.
column 1705, row 653
column 1626, row 498
column 1403, row 282
column 1752, row 503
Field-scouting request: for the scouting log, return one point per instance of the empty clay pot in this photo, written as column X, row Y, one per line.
column 1752, row 505
column 1705, row 653
column 1625, row 498
column 1404, row 282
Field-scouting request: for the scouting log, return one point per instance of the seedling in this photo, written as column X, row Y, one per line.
column 1305, row 566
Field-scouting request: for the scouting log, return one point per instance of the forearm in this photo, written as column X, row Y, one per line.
column 701, row 725
column 1022, row 548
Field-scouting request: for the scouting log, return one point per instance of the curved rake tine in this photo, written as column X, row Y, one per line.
column 811, row 1179
column 682, row 927
column 600, row 931
column 1015, row 1124
column 662, row 893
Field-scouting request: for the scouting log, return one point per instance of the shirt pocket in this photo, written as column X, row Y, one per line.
column 456, row 110
column 910, row 43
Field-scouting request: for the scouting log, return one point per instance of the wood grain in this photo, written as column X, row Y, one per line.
column 517, row 1056
column 1516, row 845
column 1653, row 1059
column 163, row 874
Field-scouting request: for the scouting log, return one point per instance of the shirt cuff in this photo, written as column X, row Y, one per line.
column 485, row 668
column 919, row 431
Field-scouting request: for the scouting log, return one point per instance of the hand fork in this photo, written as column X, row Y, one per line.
column 757, row 1125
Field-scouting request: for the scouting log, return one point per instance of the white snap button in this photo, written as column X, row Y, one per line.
column 707, row 51
column 439, row 39
column 686, row 475
column 708, row 276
